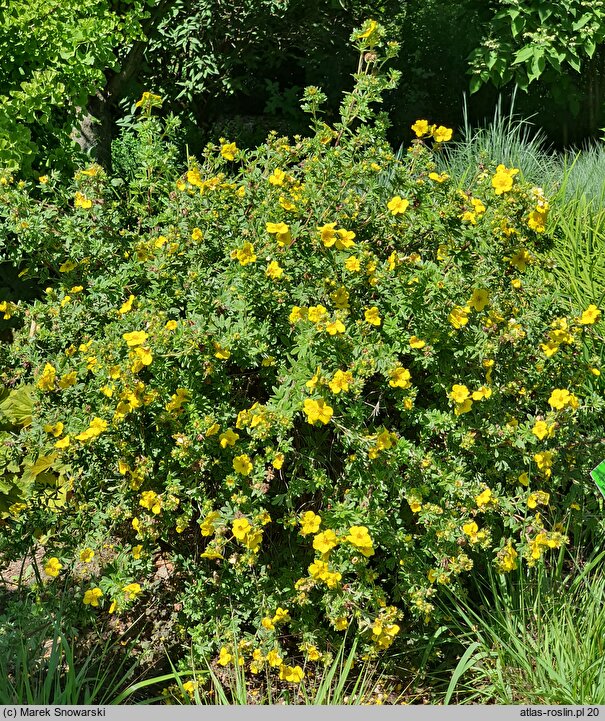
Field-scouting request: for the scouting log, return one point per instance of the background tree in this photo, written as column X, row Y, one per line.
column 558, row 43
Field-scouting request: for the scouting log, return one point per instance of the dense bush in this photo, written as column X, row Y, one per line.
column 315, row 382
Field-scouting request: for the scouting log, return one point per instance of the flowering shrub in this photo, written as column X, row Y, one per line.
column 320, row 380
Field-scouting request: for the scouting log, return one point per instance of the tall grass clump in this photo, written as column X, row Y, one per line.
column 513, row 140
column 539, row 641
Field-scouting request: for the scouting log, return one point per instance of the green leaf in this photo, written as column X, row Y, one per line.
column 523, row 55
column 517, row 25
column 17, row 407
column 475, row 84
column 579, row 24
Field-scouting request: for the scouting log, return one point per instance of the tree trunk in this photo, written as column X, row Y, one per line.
column 97, row 127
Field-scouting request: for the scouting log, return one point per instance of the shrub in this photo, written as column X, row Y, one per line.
column 312, row 382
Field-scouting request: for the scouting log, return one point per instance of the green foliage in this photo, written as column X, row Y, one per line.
column 517, row 142
column 532, row 646
column 40, row 666
column 317, row 382
column 53, row 56
column 553, row 41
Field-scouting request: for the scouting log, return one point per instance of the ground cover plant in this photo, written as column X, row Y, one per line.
column 291, row 393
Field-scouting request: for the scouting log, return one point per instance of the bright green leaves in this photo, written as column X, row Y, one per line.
column 53, row 57
column 530, row 40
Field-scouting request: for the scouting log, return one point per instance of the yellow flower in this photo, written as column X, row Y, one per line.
column 225, row 657
column 439, row 177
column 274, row 270
column 327, row 234
column 344, row 239
column 325, row 542
column 243, row 465
column 416, row 342
column 240, row 528
column 228, row 151
column 55, row 430
column 317, row 410
column 341, row 381
column 207, row 526
column 171, row 325
column 459, row 316
column 520, row 259
column 127, row 305
column 220, row 352
column 421, row 127
column 524, row 479
column 297, row 313
column 502, row 181
column 442, row 134
column 132, row 590
column 398, row 205
column 151, row 501
column 148, row 100
column 278, row 461
column 52, row 567
column 281, row 232
column 372, row 316
column 92, row 597
column 541, row 430
column 459, row 393
column 313, row 653
column 245, row 254
column 334, row 327
column 536, row 220
column 481, row 393
column 277, row 177
column 274, row 659
column 479, row 299
column 507, row 559
column 267, row 623
column 317, row 313
column 286, row 204
column 484, row 497
column 95, row 428
column 478, row 206
column 341, row 623
column 143, row 357
column 293, row 674
column 360, row 538
column 463, row 407
column 352, row 264
column 228, row 438
column 87, row 555
column 135, row 338
column 590, row 316
column 189, row 688
column 371, row 28
column 136, row 552
column 309, row 523
column 559, row 398
column 544, row 462
column 63, row 442
column 81, row 201
column 176, row 401
column 282, row 615
column 46, row 381
column 538, row 498
column 400, row 377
